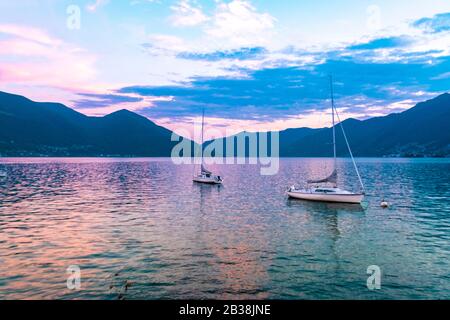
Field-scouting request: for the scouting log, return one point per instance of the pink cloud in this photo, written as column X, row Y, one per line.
column 31, row 57
column 147, row 102
column 95, row 5
column 29, row 33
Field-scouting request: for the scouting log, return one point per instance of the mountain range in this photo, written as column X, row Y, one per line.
column 30, row 128
column 423, row 130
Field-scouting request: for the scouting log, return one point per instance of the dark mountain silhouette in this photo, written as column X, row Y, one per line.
column 29, row 128
column 242, row 141
column 420, row 131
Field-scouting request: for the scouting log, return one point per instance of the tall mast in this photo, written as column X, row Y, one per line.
column 351, row 154
column 203, row 125
column 334, row 128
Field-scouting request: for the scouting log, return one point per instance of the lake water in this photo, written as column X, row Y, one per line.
column 144, row 222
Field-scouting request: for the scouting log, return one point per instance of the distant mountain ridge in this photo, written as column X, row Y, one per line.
column 422, row 131
column 30, row 128
column 417, row 132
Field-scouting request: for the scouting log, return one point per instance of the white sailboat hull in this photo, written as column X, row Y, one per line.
column 207, row 180
column 337, row 197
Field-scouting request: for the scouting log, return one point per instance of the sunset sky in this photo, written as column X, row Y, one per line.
column 252, row 64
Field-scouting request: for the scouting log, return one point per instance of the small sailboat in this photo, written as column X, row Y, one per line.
column 326, row 190
column 205, row 176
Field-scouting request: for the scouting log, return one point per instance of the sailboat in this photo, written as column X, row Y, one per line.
column 206, row 176
column 327, row 190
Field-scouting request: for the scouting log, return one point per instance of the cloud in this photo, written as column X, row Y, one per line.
column 376, row 76
column 185, row 14
column 92, row 7
column 93, row 100
column 438, row 23
column 29, row 33
column 237, row 54
column 412, row 46
column 294, row 93
column 95, row 104
column 30, row 56
column 238, row 66
column 251, row 85
column 165, row 45
column 239, row 23
column 445, row 75
column 234, row 25
column 237, row 36
column 383, row 43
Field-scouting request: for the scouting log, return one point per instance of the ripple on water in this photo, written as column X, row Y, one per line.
column 140, row 229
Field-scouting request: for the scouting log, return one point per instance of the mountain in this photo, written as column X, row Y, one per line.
column 286, row 139
column 420, row 131
column 30, row 128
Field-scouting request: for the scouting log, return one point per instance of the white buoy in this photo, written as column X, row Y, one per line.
column 384, row 204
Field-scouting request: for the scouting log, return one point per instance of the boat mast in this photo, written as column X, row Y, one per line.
column 334, row 127
column 203, row 125
column 351, row 153
column 345, row 138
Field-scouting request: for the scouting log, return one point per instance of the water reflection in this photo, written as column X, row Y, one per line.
column 146, row 221
column 323, row 207
column 334, row 220
column 238, row 267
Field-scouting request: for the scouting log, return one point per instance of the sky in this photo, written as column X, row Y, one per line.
column 255, row 65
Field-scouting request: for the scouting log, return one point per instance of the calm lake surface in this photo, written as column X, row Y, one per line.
column 144, row 222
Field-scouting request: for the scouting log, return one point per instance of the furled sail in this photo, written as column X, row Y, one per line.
column 205, row 171
column 331, row 179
